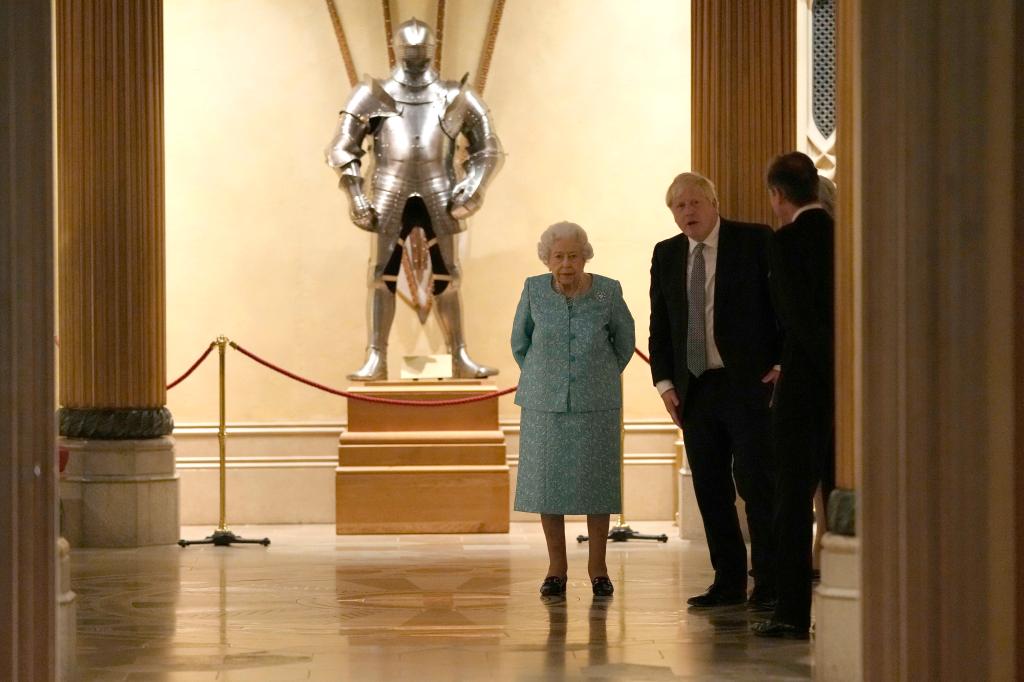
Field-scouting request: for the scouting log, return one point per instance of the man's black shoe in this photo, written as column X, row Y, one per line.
column 716, row 596
column 779, row 630
column 761, row 600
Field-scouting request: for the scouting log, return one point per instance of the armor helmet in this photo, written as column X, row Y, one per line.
column 415, row 45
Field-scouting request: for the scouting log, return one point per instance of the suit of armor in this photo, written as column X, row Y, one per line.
column 414, row 120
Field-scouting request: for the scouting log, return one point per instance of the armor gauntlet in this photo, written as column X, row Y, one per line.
column 480, row 167
column 360, row 210
column 368, row 102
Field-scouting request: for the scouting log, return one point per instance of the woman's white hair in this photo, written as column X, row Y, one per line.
column 563, row 230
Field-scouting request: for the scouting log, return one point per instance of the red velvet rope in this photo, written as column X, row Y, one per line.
column 346, row 394
column 192, row 368
column 368, row 398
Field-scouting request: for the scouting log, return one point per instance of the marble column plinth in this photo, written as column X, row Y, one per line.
column 691, row 525
column 837, row 609
column 120, row 493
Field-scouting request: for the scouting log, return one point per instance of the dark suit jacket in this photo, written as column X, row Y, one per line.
column 746, row 331
column 802, row 286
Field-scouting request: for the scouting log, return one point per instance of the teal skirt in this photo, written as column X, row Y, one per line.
column 569, row 462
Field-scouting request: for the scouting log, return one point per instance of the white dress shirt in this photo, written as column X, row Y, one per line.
column 714, row 358
column 806, row 207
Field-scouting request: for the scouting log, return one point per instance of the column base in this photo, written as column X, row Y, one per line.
column 120, row 493
column 837, row 609
column 691, row 525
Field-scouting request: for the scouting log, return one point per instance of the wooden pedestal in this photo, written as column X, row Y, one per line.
column 422, row 469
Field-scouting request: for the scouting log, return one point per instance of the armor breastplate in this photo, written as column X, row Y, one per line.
column 411, row 151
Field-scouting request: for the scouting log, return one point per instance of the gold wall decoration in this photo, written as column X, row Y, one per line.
column 389, row 31
column 439, row 32
column 346, row 51
column 490, row 40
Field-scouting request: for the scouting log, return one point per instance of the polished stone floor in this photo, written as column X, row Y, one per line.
column 314, row 606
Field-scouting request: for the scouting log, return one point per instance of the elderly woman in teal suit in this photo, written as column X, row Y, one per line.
column 572, row 336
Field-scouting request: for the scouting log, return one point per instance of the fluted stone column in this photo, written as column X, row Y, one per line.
column 120, row 487
column 743, row 76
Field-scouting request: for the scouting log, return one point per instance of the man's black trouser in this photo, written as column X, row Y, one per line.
column 727, row 433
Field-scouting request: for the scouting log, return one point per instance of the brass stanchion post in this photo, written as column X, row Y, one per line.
column 620, row 532
column 222, row 431
column 222, row 537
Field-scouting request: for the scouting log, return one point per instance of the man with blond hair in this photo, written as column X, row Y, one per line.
column 714, row 347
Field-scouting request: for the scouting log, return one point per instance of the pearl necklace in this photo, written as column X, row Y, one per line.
column 579, row 290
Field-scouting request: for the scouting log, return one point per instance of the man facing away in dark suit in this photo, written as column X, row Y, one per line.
column 803, row 420
column 714, row 345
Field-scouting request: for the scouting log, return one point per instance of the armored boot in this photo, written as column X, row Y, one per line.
column 380, row 315
column 449, row 314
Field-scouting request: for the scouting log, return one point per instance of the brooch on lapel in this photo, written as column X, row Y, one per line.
column 600, row 296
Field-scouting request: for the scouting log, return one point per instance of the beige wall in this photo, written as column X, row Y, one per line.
column 591, row 100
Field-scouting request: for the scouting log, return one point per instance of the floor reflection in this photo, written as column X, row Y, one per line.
column 558, row 629
column 314, row 606
column 598, row 631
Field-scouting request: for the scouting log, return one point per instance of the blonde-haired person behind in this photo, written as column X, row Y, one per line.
column 572, row 336
column 827, row 195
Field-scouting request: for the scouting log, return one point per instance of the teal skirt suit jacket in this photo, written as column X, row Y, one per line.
column 571, row 353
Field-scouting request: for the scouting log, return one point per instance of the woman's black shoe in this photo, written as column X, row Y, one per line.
column 553, row 586
column 602, row 586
